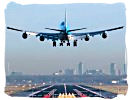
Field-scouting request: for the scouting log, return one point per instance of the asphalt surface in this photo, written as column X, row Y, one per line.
column 58, row 90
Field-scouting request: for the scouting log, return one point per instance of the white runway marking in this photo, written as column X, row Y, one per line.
column 90, row 91
column 50, row 93
column 65, row 88
column 79, row 93
column 40, row 90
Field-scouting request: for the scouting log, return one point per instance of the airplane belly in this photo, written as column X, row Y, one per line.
column 63, row 37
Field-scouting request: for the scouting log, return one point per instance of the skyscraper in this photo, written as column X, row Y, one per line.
column 113, row 69
column 119, row 72
column 69, row 71
column 124, row 69
column 80, row 68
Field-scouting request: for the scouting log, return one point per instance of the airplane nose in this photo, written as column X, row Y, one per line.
column 70, row 37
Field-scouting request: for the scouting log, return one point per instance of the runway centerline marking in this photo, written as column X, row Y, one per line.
column 40, row 90
column 65, row 88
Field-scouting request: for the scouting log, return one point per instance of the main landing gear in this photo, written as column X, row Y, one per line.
column 75, row 43
column 54, row 43
column 61, row 44
column 67, row 44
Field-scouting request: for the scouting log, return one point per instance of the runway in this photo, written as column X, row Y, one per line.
column 65, row 91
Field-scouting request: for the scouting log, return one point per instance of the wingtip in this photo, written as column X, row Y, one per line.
column 122, row 26
column 8, row 27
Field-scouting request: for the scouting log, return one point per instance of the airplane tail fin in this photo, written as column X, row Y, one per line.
column 65, row 18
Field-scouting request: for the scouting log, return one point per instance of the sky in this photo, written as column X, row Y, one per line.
column 32, row 56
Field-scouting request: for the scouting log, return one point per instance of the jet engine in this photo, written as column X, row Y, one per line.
column 24, row 35
column 42, row 38
column 104, row 35
column 87, row 38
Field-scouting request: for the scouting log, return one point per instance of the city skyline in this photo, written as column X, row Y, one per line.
column 34, row 57
column 113, row 70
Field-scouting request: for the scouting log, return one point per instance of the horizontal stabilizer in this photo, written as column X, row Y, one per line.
column 76, row 29
column 54, row 29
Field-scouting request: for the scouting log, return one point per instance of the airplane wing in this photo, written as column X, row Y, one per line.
column 96, row 32
column 27, row 32
column 53, row 36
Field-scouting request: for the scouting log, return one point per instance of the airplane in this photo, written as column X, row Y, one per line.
column 64, row 34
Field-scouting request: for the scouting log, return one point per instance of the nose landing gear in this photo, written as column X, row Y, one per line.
column 61, row 44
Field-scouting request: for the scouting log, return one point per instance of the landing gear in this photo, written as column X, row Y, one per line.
column 54, row 43
column 61, row 44
column 75, row 43
column 63, row 41
column 68, row 44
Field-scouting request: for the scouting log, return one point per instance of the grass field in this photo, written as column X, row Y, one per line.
column 119, row 89
column 13, row 89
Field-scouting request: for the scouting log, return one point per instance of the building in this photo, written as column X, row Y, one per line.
column 124, row 70
column 69, row 72
column 113, row 69
column 94, row 72
column 80, row 68
column 119, row 72
column 16, row 74
column 60, row 72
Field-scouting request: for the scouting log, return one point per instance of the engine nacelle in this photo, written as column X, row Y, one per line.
column 24, row 35
column 104, row 35
column 87, row 38
column 42, row 38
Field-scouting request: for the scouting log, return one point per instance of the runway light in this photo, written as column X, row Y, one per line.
column 66, row 95
column 73, row 96
column 16, row 86
column 83, row 95
column 23, row 86
column 46, row 96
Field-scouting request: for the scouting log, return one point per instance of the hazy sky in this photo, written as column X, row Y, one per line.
column 34, row 57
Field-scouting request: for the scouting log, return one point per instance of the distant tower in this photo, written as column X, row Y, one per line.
column 119, row 72
column 112, row 69
column 124, row 69
column 8, row 69
column 80, row 68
